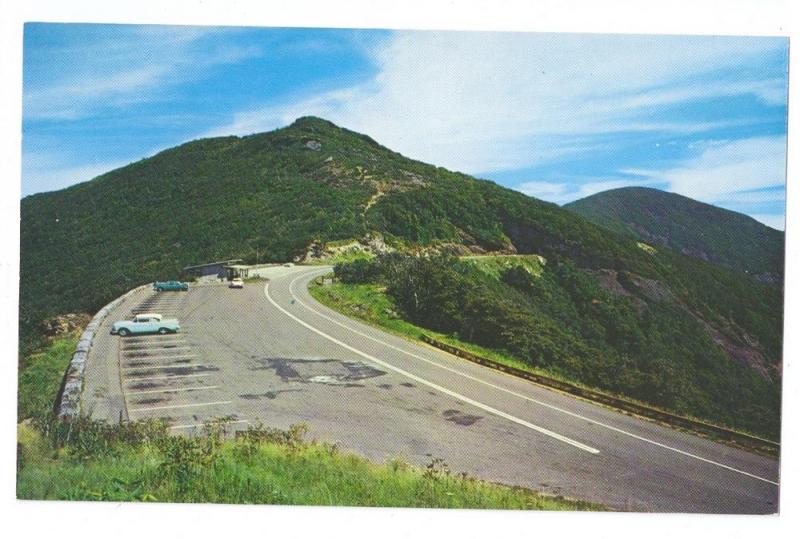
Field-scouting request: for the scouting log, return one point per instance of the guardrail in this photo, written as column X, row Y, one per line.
column 69, row 400
column 721, row 433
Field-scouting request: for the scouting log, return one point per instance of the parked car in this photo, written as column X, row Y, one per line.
column 236, row 283
column 145, row 323
column 162, row 286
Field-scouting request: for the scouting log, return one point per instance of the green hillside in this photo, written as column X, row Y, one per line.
column 634, row 339
column 312, row 182
column 690, row 227
column 274, row 192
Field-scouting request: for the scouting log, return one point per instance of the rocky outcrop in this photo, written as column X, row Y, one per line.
column 64, row 324
column 373, row 244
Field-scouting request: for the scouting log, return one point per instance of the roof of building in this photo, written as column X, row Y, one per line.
column 219, row 263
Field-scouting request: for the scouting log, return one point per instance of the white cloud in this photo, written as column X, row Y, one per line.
column 124, row 67
column 46, row 172
column 52, row 180
column 493, row 101
column 725, row 170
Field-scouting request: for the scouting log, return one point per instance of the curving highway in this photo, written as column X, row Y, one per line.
column 273, row 354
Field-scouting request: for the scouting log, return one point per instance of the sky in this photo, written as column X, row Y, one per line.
column 555, row 116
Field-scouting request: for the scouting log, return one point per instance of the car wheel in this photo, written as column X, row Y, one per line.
column 163, row 331
column 123, row 332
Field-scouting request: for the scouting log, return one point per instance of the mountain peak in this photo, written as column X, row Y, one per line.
column 312, row 122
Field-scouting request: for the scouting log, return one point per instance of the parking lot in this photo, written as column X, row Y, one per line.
column 217, row 366
column 159, row 376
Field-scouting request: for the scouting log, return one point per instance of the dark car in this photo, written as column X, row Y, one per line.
column 162, row 286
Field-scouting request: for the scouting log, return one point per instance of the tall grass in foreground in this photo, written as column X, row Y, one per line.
column 141, row 462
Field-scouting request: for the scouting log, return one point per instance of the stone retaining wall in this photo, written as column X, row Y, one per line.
column 69, row 401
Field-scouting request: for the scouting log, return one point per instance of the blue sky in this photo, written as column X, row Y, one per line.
column 556, row 116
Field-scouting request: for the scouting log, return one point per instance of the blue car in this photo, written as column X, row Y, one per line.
column 162, row 286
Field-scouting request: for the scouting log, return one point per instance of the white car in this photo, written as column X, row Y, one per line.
column 145, row 323
column 236, row 283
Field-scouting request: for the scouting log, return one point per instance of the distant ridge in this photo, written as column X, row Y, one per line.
column 693, row 228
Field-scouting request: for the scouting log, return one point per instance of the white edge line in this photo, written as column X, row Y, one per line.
column 510, row 392
column 432, row 385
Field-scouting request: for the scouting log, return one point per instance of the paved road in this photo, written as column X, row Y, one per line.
column 275, row 355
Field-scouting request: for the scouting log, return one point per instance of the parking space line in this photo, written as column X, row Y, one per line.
column 168, row 377
column 203, row 424
column 150, row 352
column 172, row 366
column 158, row 358
column 174, row 406
column 156, row 339
column 156, row 346
column 171, row 390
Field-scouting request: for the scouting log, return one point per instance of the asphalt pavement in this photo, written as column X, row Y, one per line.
column 270, row 353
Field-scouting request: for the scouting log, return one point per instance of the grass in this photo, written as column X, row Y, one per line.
column 265, row 466
column 341, row 257
column 39, row 377
column 646, row 248
column 494, row 265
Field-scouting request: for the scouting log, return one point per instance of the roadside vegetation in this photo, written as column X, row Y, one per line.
column 558, row 320
column 39, row 377
column 141, row 461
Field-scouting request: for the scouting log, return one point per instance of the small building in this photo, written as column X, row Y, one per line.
column 242, row 271
column 211, row 269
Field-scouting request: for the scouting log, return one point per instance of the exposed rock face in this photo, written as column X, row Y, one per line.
column 314, row 145
column 371, row 244
column 64, row 323
column 737, row 343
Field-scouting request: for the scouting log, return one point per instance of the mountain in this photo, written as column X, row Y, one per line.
column 693, row 228
column 275, row 195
